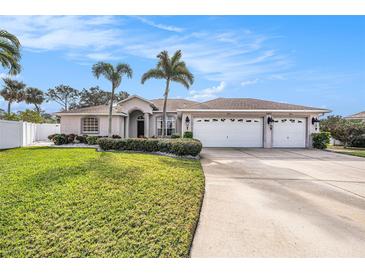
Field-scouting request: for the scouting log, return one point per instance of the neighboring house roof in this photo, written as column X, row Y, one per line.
column 248, row 104
column 172, row 104
column 360, row 115
column 95, row 110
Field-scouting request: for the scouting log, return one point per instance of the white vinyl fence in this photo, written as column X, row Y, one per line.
column 18, row 134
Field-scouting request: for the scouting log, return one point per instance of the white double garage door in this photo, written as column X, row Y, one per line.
column 249, row 132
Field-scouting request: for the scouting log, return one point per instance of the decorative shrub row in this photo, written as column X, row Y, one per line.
column 180, row 147
column 321, row 140
column 62, row 139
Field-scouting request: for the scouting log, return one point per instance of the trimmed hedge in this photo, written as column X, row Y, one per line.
column 180, row 147
column 92, row 140
column 321, row 140
column 188, row 134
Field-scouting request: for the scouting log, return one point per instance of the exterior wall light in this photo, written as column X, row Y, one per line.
column 270, row 120
column 187, row 122
column 315, row 120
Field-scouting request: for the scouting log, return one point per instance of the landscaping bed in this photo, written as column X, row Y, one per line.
column 61, row 202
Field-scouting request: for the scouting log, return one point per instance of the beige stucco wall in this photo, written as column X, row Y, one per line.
column 72, row 124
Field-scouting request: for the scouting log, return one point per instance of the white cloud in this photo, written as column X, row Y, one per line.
column 159, row 26
column 208, row 93
column 231, row 56
column 63, row 32
column 249, row 82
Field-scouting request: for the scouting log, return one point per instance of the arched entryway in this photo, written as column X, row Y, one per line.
column 138, row 124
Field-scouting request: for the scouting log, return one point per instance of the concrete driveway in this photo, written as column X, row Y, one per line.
column 281, row 203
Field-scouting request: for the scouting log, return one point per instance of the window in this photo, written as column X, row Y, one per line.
column 90, row 125
column 170, row 126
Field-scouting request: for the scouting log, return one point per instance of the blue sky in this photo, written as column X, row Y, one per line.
column 309, row 60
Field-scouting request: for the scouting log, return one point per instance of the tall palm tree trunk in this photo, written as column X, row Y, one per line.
column 37, row 108
column 164, row 108
column 9, row 105
column 110, row 112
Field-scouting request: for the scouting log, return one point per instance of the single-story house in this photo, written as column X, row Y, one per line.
column 222, row 122
column 357, row 116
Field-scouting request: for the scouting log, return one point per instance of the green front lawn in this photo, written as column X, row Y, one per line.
column 360, row 152
column 70, row 202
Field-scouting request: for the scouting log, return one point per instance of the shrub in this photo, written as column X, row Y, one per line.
column 321, row 140
column 115, row 136
column 175, row 136
column 81, row 138
column 91, row 140
column 59, row 139
column 188, row 134
column 181, row 147
column 358, row 142
column 71, row 138
column 106, row 143
column 50, row 137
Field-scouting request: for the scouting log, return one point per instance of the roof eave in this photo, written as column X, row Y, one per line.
column 257, row 110
column 83, row 113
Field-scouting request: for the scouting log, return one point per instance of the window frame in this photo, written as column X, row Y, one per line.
column 83, row 127
column 169, row 130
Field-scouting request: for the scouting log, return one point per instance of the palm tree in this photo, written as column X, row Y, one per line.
column 114, row 75
column 9, row 52
column 34, row 96
column 171, row 70
column 13, row 91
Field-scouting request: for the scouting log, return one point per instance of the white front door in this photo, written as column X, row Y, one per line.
column 229, row 132
column 289, row 132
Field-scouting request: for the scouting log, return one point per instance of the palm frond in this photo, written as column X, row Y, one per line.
column 176, row 57
column 184, row 72
column 124, row 69
column 102, row 68
column 12, row 38
column 153, row 73
column 182, row 79
column 9, row 61
column 164, row 61
column 9, row 52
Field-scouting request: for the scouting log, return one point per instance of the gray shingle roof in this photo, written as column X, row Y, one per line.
column 172, row 104
column 360, row 115
column 248, row 104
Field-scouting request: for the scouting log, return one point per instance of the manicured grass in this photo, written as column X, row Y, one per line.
column 360, row 152
column 71, row 202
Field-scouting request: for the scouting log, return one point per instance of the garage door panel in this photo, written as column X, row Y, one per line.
column 289, row 132
column 229, row 132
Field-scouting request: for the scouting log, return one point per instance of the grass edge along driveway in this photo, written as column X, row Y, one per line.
column 69, row 202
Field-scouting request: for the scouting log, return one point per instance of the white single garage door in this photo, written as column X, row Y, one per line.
column 289, row 132
column 229, row 132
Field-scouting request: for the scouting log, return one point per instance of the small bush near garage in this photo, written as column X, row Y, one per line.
column 180, row 147
column 321, row 140
column 188, row 134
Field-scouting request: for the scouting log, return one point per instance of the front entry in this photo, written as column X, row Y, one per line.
column 140, row 129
